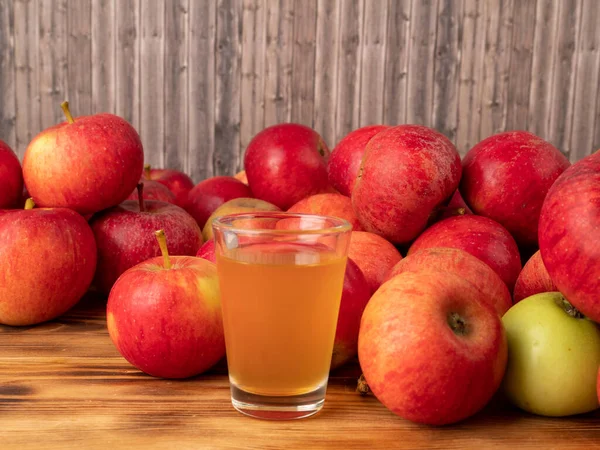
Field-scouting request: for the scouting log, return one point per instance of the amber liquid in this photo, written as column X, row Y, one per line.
column 280, row 306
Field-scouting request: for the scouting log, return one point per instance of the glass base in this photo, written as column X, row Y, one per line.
column 269, row 407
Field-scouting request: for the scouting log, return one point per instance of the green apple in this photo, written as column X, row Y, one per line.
column 553, row 357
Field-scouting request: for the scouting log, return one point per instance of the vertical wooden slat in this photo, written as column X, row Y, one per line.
column 303, row 62
column 348, row 70
column 540, row 92
column 202, row 89
column 586, row 82
column 396, row 62
column 278, row 61
column 127, row 62
column 419, row 99
column 252, row 107
column 26, row 82
column 79, row 56
column 519, row 80
column 373, row 62
column 176, row 85
column 103, row 56
column 496, row 67
column 326, row 61
column 152, row 81
column 52, row 60
column 564, row 71
column 8, row 111
column 447, row 68
column 227, row 85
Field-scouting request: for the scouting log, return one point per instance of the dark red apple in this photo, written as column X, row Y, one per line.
column 431, row 347
column 335, row 205
column 481, row 237
column 344, row 162
column 407, row 171
column 207, row 251
column 153, row 190
column 176, row 181
column 285, row 163
column 11, row 178
column 506, row 178
column 533, row 279
column 569, row 235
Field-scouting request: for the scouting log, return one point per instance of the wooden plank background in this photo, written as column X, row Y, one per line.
column 199, row 78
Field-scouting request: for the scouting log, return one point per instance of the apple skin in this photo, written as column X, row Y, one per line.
column 89, row 165
column 285, row 163
column 11, row 176
column 481, row 237
column 176, row 181
column 533, row 279
column 207, row 251
column 124, row 237
column 334, row 205
column 463, row 264
column 553, row 358
column 153, row 190
column 355, row 296
column 568, row 234
column 48, row 260
column 414, row 361
column 211, row 193
column 506, row 178
column 344, row 162
column 407, row 171
column 167, row 322
column 374, row 256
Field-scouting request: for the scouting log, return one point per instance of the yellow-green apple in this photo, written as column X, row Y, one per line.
column 328, row 204
column 48, row 260
column 153, row 190
column 211, row 193
column 87, row 164
column 176, row 181
column 11, row 175
column 207, row 251
column 463, row 264
column 285, row 163
column 241, row 175
column 553, row 357
column 481, row 237
column 432, row 350
column 407, row 171
column 124, row 238
column 345, row 158
column 533, row 279
column 506, row 178
column 569, row 235
column 164, row 316
column 374, row 256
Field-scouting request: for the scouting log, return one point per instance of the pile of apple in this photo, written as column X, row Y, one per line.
column 437, row 333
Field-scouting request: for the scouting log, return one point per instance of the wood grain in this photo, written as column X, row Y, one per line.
column 79, row 56
column 127, row 64
column 103, row 52
column 8, row 112
column 64, row 386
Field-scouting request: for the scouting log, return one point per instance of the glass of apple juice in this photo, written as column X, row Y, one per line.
column 281, row 278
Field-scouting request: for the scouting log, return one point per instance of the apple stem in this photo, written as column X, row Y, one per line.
column 65, row 107
column 162, row 243
column 29, row 203
column 569, row 309
column 147, row 168
column 362, row 387
column 140, row 191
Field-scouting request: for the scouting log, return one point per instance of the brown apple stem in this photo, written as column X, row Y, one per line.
column 65, row 107
column 162, row 243
column 140, row 191
column 363, row 387
column 569, row 309
column 29, row 203
column 147, row 169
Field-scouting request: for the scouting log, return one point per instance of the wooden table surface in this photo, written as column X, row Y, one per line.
column 63, row 385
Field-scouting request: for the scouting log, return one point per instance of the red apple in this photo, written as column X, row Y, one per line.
column 11, row 175
column 153, row 190
column 344, row 162
column 164, row 316
column 374, row 255
column 569, row 235
column 124, row 238
column 174, row 180
column 87, row 164
column 481, row 237
column 285, row 163
column 355, row 296
column 533, row 279
column 241, row 175
column 506, row 178
column 48, row 259
column 207, row 251
column 431, row 348
column 463, row 264
column 407, row 171
column 336, row 205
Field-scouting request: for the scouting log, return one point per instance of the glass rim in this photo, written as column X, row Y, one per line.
column 339, row 225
